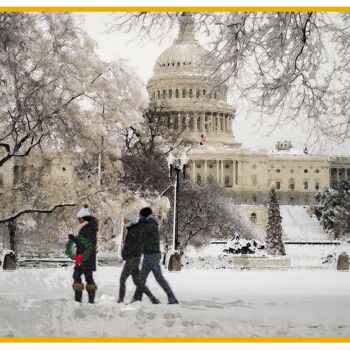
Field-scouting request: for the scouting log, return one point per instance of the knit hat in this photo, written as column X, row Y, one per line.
column 84, row 211
column 131, row 216
column 146, row 212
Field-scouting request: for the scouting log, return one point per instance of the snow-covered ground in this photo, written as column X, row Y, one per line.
column 299, row 226
column 225, row 303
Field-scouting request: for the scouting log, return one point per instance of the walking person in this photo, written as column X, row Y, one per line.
column 131, row 253
column 85, row 254
column 149, row 228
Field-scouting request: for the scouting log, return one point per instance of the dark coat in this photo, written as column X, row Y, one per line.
column 150, row 235
column 132, row 247
column 86, row 242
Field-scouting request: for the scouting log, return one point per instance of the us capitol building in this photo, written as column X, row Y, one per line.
column 194, row 103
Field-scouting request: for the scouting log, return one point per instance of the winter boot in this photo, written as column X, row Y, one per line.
column 155, row 300
column 91, row 289
column 134, row 300
column 173, row 301
column 78, row 291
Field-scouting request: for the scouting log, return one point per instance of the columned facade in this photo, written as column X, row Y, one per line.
column 213, row 170
column 339, row 169
column 194, row 103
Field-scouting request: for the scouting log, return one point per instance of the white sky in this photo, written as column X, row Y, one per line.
column 142, row 56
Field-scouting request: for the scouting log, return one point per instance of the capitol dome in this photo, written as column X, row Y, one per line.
column 183, row 57
column 184, row 85
column 186, row 56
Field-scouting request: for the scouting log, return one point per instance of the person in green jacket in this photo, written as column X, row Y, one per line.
column 84, row 255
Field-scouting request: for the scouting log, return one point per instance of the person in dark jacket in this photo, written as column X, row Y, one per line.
column 131, row 253
column 149, row 228
column 85, row 254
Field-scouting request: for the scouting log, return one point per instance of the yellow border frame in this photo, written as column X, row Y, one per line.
column 174, row 9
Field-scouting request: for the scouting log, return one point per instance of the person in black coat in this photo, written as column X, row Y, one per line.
column 131, row 253
column 85, row 254
column 149, row 228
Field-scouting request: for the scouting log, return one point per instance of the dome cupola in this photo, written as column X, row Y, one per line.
column 185, row 85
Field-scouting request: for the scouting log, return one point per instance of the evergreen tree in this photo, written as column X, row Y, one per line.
column 334, row 209
column 274, row 241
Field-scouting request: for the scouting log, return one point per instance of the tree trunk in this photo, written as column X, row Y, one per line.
column 11, row 226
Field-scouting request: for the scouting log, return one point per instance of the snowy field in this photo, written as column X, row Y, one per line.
column 299, row 226
column 213, row 303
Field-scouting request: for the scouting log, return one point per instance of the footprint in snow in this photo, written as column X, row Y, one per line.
column 272, row 303
column 313, row 326
column 78, row 313
column 239, row 303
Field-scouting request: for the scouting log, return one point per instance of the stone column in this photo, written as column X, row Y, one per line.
column 208, row 124
column 222, row 172
column 217, row 172
column 202, row 118
column 233, row 173
column 170, row 121
column 205, row 171
column 187, row 122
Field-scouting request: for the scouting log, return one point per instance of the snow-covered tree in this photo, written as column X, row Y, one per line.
column 60, row 119
column 274, row 243
column 208, row 212
column 146, row 146
column 334, row 209
column 292, row 66
column 205, row 212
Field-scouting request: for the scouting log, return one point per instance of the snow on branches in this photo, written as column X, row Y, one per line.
column 333, row 209
column 291, row 66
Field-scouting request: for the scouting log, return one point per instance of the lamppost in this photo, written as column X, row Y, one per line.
column 177, row 165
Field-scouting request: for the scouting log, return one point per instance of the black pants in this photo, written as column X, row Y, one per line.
column 150, row 263
column 79, row 271
column 131, row 267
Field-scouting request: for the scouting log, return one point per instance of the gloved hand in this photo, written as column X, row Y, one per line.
column 78, row 259
column 70, row 236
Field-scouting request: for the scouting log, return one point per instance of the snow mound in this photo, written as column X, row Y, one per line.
column 207, row 257
column 299, row 226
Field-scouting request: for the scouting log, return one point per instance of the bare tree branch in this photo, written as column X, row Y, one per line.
column 28, row 211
